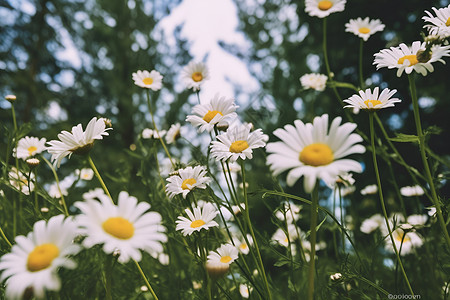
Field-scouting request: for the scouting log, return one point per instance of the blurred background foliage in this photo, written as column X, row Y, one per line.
column 116, row 38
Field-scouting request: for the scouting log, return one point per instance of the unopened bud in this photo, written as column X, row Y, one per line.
column 11, row 98
column 32, row 162
column 108, row 122
column 336, row 276
column 423, row 56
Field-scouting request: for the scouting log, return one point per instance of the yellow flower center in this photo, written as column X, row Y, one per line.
column 185, row 183
column 448, row 22
column 412, row 59
column 238, row 146
column 41, row 257
column 316, row 154
column 364, row 30
column 225, row 259
column 325, row 5
column 211, row 114
column 119, row 228
column 197, row 223
column 31, row 150
column 402, row 237
column 147, row 80
column 197, row 76
column 374, row 102
column 243, row 246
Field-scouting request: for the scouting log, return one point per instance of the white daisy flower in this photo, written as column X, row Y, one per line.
column 281, row 238
column 314, row 151
column 150, row 80
column 440, row 24
column 404, row 240
column 237, row 142
column 347, row 190
column 202, row 217
column 245, row 290
column 186, row 180
column 28, row 147
column 54, row 192
column 77, row 141
column 371, row 189
column 417, row 220
column 314, row 81
column 148, row 133
column 124, row 228
column 18, row 180
column 411, row 191
column 323, row 8
column 404, row 58
column 241, row 245
column 371, row 224
column 34, row 261
column 173, row 133
column 97, row 193
column 341, row 180
column 195, row 74
column 372, row 101
column 216, row 112
column 85, row 173
column 225, row 254
column 364, row 28
column 292, row 212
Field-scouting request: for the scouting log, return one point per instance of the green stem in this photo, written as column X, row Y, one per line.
column 147, row 283
column 156, row 129
column 4, row 237
column 63, row 201
column 107, row 274
column 422, row 146
column 383, row 207
column 361, row 77
column 249, row 223
column 313, row 224
column 99, row 177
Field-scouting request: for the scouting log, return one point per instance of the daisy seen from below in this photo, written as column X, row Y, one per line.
column 364, row 28
column 21, row 182
column 314, row 151
column 281, row 237
column 186, row 180
column 245, row 290
column 194, row 75
column 323, row 8
column 314, row 81
column 77, row 141
column 85, row 173
column 370, row 189
column 405, row 241
column 406, row 59
column 225, row 254
column 125, row 228
column 150, row 80
column 237, row 142
column 29, row 146
column 173, row 133
column 410, row 191
column 200, row 218
column 34, row 260
column 216, row 112
column 440, row 24
column 372, row 100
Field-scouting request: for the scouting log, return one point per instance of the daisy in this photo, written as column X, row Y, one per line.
column 404, row 58
column 77, row 141
column 291, row 211
column 202, row 217
column 281, row 238
column 237, row 142
column 371, row 189
column 148, row 133
column 186, row 180
column 242, row 245
column 97, row 193
column 372, row 101
column 28, row 147
column 85, row 173
column 55, row 192
column 124, row 228
column 314, row 81
column 405, row 241
column 245, row 290
column 195, row 74
column 173, row 133
column 410, row 191
column 371, row 224
column 314, row 151
column 440, row 25
column 34, row 260
column 225, row 254
column 336, row 276
column 417, row 220
column 322, row 8
column 364, row 28
column 216, row 112
column 150, row 80
column 20, row 181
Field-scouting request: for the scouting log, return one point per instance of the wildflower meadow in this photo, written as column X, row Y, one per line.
column 334, row 186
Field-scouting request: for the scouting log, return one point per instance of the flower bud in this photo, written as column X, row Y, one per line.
column 32, row 162
column 11, row 98
column 336, row 276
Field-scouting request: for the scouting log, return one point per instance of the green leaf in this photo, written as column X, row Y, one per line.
column 405, row 138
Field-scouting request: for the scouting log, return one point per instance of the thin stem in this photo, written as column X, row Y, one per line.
column 4, row 237
column 383, row 207
column 63, row 201
column 14, row 119
column 412, row 86
column 147, row 283
column 99, row 177
column 247, row 216
column 361, row 77
column 156, row 129
column 107, row 274
column 313, row 224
